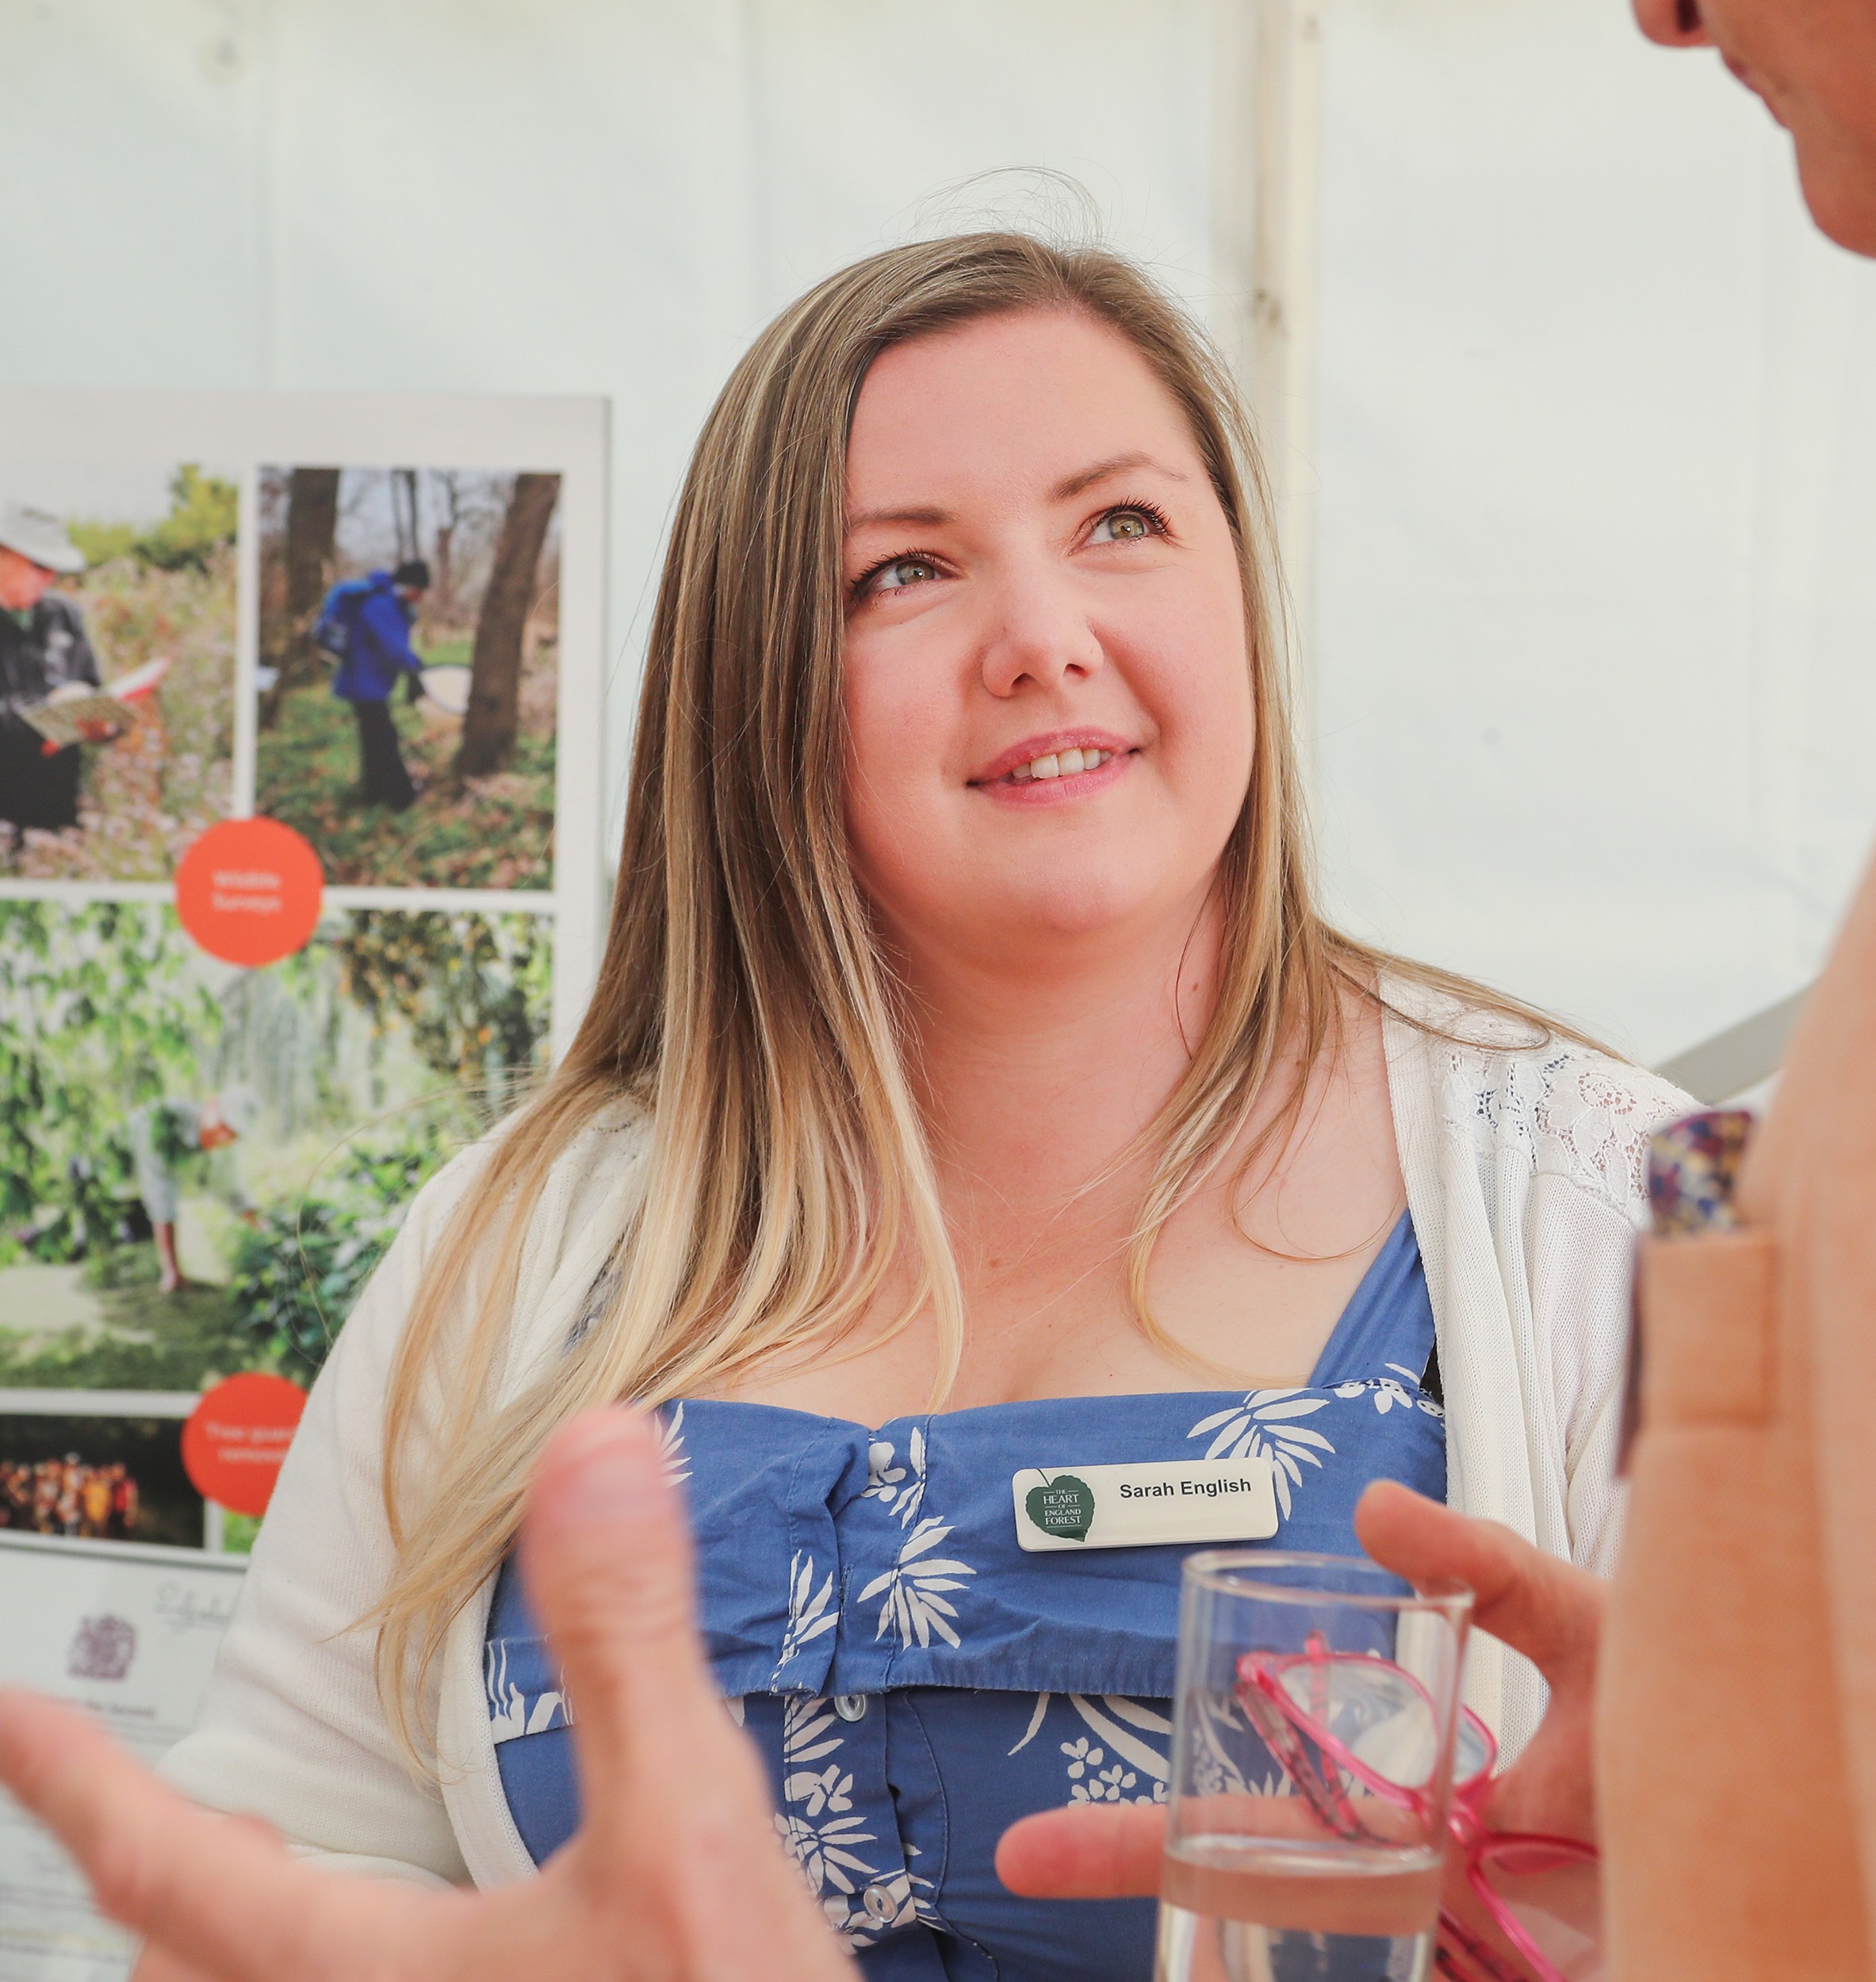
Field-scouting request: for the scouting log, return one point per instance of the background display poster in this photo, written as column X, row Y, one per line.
column 129, row 1633
column 300, row 872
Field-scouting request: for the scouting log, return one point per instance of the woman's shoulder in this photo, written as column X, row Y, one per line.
column 585, row 1194
column 1518, row 1090
column 605, row 1149
column 588, row 1180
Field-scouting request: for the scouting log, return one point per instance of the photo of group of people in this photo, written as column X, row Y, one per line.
column 66, row 1497
column 98, row 1476
column 204, row 1154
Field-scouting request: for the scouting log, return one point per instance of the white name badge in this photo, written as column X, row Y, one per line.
column 1175, row 1500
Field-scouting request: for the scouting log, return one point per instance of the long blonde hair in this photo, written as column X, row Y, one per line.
column 743, row 1008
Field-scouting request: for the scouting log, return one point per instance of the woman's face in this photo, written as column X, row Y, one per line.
column 1039, row 575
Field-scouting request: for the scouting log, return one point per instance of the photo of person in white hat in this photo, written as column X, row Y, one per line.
column 44, row 647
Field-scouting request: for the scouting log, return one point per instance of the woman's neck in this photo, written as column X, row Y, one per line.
column 1038, row 1069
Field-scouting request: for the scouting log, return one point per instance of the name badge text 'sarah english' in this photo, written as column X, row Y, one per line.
column 1181, row 1500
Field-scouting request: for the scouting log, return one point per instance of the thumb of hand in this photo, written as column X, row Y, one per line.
column 606, row 1557
column 677, row 1841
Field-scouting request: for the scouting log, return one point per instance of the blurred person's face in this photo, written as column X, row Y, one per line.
column 1814, row 62
column 1047, row 692
column 23, row 583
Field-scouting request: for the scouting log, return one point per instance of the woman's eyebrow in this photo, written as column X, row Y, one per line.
column 930, row 518
column 1064, row 491
column 1072, row 485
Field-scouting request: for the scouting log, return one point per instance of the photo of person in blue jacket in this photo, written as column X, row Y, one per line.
column 445, row 580
column 366, row 624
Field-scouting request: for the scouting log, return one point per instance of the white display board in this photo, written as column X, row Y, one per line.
column 73, row 455
column 129, row 1634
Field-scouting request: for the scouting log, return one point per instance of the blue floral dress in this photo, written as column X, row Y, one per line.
column 916, row 1682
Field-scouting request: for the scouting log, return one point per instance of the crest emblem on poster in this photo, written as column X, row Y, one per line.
column 102, row 1648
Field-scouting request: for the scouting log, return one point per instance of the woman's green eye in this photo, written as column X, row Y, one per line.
column 902, row 572
column 1123, row 525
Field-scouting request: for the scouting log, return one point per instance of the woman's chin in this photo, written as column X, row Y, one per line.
column 1062, row 914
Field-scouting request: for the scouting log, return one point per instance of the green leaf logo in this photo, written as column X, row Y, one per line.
column 1063, row 1506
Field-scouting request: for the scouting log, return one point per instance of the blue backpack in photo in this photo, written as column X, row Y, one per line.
column 339, row 616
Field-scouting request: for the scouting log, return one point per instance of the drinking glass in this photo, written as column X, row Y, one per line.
column 1313, row 1735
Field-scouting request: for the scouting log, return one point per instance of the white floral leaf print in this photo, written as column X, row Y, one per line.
column 1390, row 1394
column 825, row 1852
column 818, row 1790
column 671, row 1445
column 1091, row 1782
column 907, row 1505
column 1106, row 1721
column 1035, row 1721
column 508, row 1704
column 511, row 1711
column 902, row 1487
column 1211, row 1424
column 805, row 1722
column 883, row 1475
column 1215, row 1769
column 1082, row 1755
column 820, row 1830
column 913, row 1606
column 808, row 1613
column 886, row 1902
column 1263, row 1427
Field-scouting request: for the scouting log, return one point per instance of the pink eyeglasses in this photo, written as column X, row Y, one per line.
column 1327, row 1715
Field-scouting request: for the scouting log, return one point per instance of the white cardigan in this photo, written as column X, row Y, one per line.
column 1525, row 1172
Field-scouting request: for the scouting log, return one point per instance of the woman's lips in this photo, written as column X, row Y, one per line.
column 1044, row 749
column 1063, row 788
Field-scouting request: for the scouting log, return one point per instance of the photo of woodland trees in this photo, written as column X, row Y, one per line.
column 484, row 816
column 352, row 1069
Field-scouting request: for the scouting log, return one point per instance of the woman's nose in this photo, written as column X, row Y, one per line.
column 1675, row 24
column 1039, row 634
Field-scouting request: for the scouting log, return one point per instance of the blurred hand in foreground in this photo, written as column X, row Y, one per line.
column 1550, row 1610
column 675, row 1876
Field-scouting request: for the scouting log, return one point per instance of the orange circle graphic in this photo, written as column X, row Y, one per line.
column 236, row 1438
column 249, row 891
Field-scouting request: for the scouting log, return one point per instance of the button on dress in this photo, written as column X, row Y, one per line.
column 916, row 1682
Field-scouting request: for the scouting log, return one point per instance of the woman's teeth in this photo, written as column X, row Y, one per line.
column 1060, row 764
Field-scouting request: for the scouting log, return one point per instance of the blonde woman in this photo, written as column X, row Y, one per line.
column 972, row 1091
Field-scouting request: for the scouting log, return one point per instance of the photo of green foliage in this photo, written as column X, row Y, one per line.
column 360, row 1063
column 160, row 587
column 476, row 731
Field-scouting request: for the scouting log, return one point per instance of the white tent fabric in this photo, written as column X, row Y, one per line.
column 1594, row 436
column 1595, row 609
